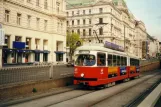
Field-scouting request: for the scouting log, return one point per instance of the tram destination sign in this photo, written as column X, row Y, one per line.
column 84, row 52
column 113, row 46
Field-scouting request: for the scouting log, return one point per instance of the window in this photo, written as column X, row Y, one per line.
column 58, row 6
column 67, row 13
column 18, row 38
column 72, row 22
column 134, row 62
column 85, row 60
column 125, row 61
column 29, row 20
column 45, row 4
column 45, row 24
column 118, row 60
column 84, row 32
column 72, row 13
column 110, row 60
column 114, row 60
column 37, row 22
column 101, row 31
column 78, row 31
column 37, row 57
column 72, row 31
column 100, row 10
column 7, row 14
column 67, row 23
column 78, row 22
column 84, row 21
column 18, row 19
column 37, row 2
column 100, row 20
column 90, row 32
column 78, row 12
column 101, row 59
column 29, row 1
column 59, row 57
column 89, row 11
column 89, row 21
column 84, row 12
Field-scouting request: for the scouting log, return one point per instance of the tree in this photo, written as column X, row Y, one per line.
column 73, row 41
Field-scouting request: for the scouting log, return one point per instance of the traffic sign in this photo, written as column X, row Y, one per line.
column 2, row 37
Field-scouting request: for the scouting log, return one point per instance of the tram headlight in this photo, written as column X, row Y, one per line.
column 82, row 75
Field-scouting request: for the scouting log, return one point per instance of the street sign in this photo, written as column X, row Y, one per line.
column 2, row 37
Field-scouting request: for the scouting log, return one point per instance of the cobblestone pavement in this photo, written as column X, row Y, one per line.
column 84, row 98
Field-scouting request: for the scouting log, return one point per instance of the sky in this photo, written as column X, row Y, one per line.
column 148, row 11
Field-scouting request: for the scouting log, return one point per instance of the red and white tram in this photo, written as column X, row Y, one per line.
column 100, row 66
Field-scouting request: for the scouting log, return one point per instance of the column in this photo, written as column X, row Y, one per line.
column 32, row 55
column 23, row 54
column 10, row 58
column 41, row 48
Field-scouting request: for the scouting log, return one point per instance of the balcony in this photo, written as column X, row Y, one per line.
column 60, row 14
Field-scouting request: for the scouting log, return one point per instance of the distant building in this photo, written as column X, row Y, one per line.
column 35, row 30
column 153, row 47
column 111, row 20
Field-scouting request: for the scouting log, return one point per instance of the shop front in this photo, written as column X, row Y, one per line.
column 59, row 56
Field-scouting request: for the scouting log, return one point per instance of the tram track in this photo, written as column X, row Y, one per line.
column 90, row 104
column 136, row 100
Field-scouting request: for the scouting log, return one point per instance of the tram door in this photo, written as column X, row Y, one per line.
column 101, row 63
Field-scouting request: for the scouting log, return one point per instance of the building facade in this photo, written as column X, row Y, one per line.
column 35, row 30
column 110, row 20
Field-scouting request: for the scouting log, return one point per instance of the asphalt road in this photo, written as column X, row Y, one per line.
column 121, row 93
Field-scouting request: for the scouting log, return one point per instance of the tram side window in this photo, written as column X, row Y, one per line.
column 118, row 60
column 101, row 59
column 122, row 61
column 114, row 60
column 109, row 60
column 137, row 63
column 134, row 62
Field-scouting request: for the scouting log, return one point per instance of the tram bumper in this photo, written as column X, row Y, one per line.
column 85, row 81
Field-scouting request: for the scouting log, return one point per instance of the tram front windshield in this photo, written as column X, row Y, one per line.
column 85, row 60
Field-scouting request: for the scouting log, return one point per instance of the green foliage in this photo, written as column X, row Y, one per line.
column 72, row 40
column 34, row 90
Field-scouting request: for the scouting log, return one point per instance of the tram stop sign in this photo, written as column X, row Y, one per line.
column 78, row 43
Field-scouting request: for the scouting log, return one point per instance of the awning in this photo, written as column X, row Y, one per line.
column 38, row 51
column 24, row 51
column 60, row 52
column 46, row 51
column 7, row 50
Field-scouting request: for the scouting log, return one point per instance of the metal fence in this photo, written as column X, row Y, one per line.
column 34, row 73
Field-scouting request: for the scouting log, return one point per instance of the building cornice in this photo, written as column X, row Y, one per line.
column 76, row 7
column 49, row 32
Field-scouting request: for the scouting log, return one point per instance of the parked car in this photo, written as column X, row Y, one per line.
column 70, row 64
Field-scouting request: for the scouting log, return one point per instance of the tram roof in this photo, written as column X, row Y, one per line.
column 100, row 47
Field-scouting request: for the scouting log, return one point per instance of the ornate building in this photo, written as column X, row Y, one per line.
column 35, row 30
column 110, row 20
